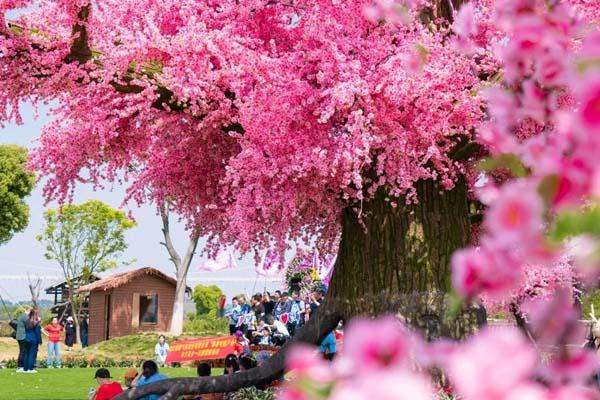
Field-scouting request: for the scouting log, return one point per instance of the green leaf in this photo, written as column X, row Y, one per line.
column 507, row 160
column 547, row 188
column 455, row 305
column 571, row 223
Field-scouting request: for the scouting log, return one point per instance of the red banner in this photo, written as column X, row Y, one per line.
column 201, row 349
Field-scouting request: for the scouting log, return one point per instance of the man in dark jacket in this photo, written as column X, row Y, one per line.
column 20, row 336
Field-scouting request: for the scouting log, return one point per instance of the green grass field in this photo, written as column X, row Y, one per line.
column 63, row 384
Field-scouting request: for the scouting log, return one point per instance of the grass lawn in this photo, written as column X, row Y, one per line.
column 63, row 384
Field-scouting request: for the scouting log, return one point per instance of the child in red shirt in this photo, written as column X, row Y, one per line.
column 53, row 331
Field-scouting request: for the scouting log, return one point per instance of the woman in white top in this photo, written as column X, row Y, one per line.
column 161, row 350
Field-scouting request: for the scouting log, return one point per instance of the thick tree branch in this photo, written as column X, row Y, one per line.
column 80, row 49
column 164, row 214
column 319, row 326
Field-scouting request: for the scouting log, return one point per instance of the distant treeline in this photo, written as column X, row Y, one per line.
column 12, row 308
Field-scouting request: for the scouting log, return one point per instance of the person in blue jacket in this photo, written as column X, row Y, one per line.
column 33, row 339
column 328, row 346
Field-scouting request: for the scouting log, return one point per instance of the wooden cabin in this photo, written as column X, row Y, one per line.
column 129, row 302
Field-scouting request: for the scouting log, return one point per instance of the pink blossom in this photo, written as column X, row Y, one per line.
column 492, row 364
column 590, row 104
column 577, row 367
column 306, row 362
column 389, row 384
column 554, row 321
column 377, row 344
column 465, row 22
column 484, row 269
column 516, row 214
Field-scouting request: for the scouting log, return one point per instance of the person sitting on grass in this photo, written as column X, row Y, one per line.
column 161, row 350
column 129, row 377
column 232, row 364
column 242, row 345
column 246, row 363
column 107, row 388
column 149, row 375
column 204, row 369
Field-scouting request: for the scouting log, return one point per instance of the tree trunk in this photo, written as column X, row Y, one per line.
column 397, row 259
column 75, row 313
column 179, row 305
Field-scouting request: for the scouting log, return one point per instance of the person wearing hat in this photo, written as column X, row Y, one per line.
column 129, row 377
column 107, row 388
column 70, row 333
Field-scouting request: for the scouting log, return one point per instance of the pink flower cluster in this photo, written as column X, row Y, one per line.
column 290, row 112
column 382, row 360
column 544, row 114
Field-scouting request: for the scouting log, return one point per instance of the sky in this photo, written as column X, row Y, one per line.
column 23, row 255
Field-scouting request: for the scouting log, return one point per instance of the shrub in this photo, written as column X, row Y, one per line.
column 252, row 393
column 206, row 299
column 206, row 325
column 82, row 361
column 5, row 329
column 592, row 297
column 141, row 345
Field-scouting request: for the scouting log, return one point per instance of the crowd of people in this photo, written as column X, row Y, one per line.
column 29, row 332
column 271, row 319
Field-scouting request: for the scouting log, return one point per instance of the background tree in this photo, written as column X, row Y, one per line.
column 35, row 286
column 206, row 299
column 182, row 266
column 84, row 239
column 16, row 183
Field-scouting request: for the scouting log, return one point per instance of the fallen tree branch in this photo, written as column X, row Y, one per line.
column 320, row 325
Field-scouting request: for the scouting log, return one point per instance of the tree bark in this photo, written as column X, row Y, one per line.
column 181, row 270
column 397, row 259
column 176, row 328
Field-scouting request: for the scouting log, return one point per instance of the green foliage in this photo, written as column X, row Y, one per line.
column 20, row 309
column 252, row 393
column 572, row 223
column 505, row 161
column 206, row 325
column 16, row 183
column 141, row 345
column 592, row 297
column 206, row 298
column 85, row 239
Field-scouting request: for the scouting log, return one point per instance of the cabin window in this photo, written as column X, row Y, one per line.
column 149, row 309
